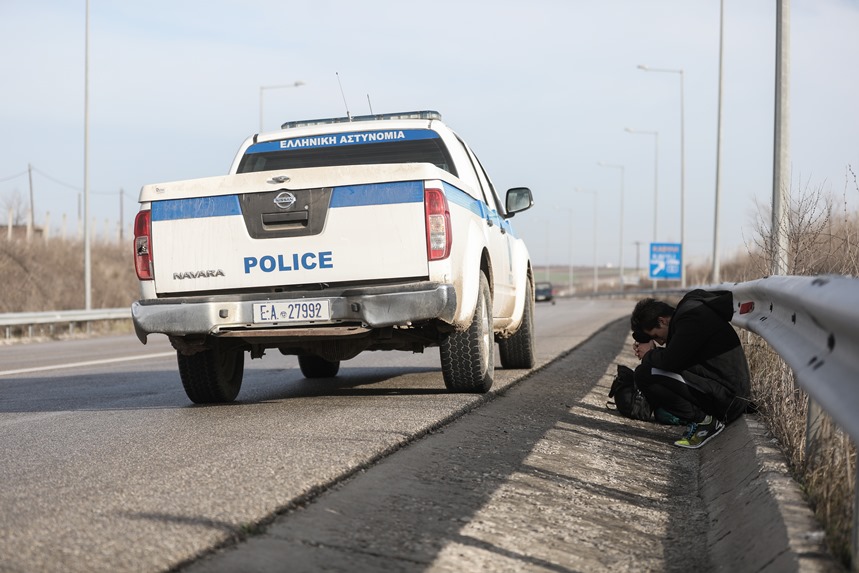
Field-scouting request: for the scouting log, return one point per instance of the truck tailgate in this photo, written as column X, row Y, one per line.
column 297, row 237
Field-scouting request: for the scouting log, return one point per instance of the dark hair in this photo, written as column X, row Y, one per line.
column 645, row 315
column 639, row 336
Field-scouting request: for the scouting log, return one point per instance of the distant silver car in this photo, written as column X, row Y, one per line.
column 544, row 292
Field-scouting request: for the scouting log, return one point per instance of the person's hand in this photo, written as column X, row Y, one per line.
column 642, row 348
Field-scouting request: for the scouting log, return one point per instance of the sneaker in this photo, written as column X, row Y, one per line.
column 698, row 434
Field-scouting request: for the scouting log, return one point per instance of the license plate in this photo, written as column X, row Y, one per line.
column 293, row 311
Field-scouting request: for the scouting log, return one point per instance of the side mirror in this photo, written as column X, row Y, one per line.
column 518, row 199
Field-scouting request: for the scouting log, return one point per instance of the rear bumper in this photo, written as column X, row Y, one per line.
column 374, row 307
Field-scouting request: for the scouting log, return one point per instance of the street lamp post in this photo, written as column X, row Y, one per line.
column 572, row 290
column 295, row 84
column 682, row 168
column 594, row 193
column 781, row 142
column 613, row 166
column 548, row 251
column 86, row 229
column 716, row 263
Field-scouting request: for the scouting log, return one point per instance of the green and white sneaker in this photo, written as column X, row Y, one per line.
column 698, row 434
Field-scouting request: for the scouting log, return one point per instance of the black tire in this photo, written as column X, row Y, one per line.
column 468, row 356
column 315, row 367
column 517, row 351
column 212, row 376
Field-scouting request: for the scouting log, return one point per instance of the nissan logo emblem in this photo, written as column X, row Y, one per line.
column 284, row 200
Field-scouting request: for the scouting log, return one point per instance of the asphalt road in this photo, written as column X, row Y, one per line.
column 106, row 466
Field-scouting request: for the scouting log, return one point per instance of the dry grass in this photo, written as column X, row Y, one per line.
column 823, row 237
column 41, row 276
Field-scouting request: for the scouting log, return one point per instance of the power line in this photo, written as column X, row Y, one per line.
column 13, row 176
column 57, row 181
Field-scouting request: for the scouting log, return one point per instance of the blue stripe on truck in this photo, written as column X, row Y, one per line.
column 458, row 197
column 196, row 208
column 378, row 194
column 347, row 196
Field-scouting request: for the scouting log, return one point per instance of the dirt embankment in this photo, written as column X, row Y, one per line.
column 42, row 276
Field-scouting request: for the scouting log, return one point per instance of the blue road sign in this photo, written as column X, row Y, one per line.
column 666, row 261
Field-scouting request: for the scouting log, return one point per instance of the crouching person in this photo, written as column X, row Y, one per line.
column 692, row 362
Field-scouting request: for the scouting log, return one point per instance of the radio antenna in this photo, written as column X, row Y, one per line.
column 370, row 104
column 346, row 105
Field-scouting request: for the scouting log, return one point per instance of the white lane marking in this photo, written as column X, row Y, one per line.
column 87, row 363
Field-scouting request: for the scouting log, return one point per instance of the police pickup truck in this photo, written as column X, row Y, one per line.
column 332, row 237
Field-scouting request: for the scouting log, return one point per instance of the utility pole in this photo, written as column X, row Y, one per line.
column 32, row 204
column 120, row 216
column 87, row 257
column 716, row 268
column 781, row 144
column 637, row 256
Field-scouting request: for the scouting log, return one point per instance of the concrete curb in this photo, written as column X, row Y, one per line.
column 546, row 478
column 759, row 519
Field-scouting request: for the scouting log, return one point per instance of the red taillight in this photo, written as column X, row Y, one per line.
column 143, row 245
column 438, row 224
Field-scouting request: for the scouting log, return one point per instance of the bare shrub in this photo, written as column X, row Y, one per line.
column 822, row 239
column 41, row 276
column 14, row 208
column 829, row 475
column 782, row 403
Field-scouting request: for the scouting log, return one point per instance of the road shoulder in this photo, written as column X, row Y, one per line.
column 544, row 478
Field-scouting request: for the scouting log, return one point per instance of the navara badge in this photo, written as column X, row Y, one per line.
column 284, row 200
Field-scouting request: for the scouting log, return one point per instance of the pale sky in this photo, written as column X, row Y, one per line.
column 542, row 91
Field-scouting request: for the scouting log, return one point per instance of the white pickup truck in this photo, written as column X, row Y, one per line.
column 332, row 237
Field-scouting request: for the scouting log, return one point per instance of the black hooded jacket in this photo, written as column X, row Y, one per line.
column 704, row 348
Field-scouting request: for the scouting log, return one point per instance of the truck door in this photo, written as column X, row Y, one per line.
column 499, row 243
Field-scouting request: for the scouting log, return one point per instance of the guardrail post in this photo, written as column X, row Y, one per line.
column 854, row 535
column 813, row 428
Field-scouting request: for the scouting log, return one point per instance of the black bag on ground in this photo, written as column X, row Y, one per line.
column 628, row 400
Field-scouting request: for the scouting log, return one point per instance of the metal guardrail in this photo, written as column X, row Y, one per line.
column 71, row 317
column 813, row 324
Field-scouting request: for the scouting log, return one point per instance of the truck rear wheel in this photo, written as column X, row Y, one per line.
column 468, row 357
column 212, row 376
column 316, row 367
column 517, row 351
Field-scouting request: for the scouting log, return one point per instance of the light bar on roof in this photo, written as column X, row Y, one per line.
column 425, row 114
